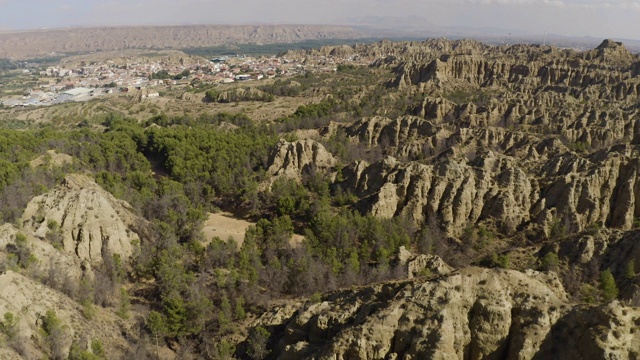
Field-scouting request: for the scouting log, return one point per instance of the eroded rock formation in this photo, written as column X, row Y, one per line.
column 91, row 221
column 521, row 137
column 469, row 314
column 303, row 157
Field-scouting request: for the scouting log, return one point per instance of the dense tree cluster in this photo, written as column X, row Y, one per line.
column 200, row 290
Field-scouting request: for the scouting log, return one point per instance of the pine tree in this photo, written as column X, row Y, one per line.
column 225, row 316
column 608, row 286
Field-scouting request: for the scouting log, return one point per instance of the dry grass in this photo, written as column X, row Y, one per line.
column 173, row 104
column 224, row 225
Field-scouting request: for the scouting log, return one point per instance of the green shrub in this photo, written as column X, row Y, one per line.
column 10, row 325
column 589, row 293
column 125, row 304
column 550, row 261
column 315, row 298
column 608, row 286
column 500, row 261
column 156, row 322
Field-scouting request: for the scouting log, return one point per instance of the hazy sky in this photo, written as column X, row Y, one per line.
column 612, row 18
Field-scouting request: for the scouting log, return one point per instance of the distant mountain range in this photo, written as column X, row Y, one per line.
column 54, row 42
column 41, row 43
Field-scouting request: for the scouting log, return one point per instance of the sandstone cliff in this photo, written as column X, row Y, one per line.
column 296, row 159
column 469, row 314
column 91, row 221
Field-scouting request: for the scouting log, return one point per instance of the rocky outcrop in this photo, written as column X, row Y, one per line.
column 603, row 332
column 422, row 264
column 469, row 314
column 51, row 159
column 243, row 94
column 91, row 222
column 303, row 157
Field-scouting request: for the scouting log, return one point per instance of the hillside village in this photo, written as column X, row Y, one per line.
column 82, row 81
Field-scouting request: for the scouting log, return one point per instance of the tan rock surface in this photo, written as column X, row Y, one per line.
column 303, row 157
column 91, row 220
column 49, row 260
column 468, row 314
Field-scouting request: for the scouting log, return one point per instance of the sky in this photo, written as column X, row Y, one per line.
column 600, row 19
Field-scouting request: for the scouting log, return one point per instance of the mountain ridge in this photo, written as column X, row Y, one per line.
column 39, row 43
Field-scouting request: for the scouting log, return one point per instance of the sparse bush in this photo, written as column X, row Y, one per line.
column 95, row 353
column 593, row 229
column 10, row 326
column 483, row 238
column 426, row 272
column 125, row 304
column 20, row 249
column 240, row 313
column 156, row 323
column 550, row 261
column 54, row 235
column 315, row 298
column 223, row 350
column 85, row 291
column 97, row 348
column 558, row 230
column 500, row 260
column 88, row 310
column 55, row 335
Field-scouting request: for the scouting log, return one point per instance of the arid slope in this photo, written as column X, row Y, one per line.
column 30, row 44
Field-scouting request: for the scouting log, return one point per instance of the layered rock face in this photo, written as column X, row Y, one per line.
column 49, row 259
column 91, row 221
column 243, row 94
column 295, row 159
column 488, row 185
column 468, row 314
column 521, row 137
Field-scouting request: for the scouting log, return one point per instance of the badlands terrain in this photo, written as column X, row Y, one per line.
column 449, row 200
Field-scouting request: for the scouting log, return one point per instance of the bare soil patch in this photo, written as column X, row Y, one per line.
column 224, row 225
